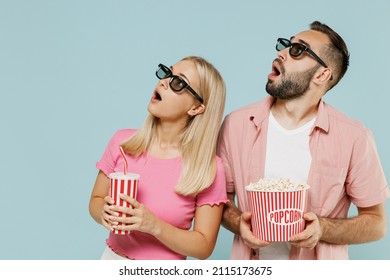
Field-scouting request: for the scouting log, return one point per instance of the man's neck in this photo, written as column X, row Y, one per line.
column 292, row 114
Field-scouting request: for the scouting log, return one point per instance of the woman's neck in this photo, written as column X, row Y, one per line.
column 166, row 143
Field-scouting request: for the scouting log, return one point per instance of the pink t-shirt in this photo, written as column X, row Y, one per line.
column 345, row 168
column 158, row 179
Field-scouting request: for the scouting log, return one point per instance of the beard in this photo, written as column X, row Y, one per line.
column 292, row 85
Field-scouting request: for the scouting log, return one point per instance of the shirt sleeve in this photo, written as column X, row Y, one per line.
column 216, row 193
column 224, row 154
column 366, row 182
column 111, row 154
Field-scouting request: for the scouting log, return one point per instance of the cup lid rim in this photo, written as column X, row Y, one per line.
column 121, row 175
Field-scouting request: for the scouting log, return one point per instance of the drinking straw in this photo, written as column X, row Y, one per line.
column 124, row 159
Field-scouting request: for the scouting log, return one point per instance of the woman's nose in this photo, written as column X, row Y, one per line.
column 164, row 83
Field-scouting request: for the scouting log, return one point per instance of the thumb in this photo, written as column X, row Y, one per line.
column 246, row 216
column 309, row 216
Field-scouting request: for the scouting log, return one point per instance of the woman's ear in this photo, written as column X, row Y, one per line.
column 196, row 110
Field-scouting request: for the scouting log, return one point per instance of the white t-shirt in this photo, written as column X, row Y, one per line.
column 287, row 156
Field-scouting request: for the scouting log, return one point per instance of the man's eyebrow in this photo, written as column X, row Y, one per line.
column 301, row 41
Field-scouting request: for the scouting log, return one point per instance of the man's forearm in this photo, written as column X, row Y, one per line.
column 366, row 227
column 231, row 218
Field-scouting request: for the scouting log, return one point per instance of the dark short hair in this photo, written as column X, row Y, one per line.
column 336, row 53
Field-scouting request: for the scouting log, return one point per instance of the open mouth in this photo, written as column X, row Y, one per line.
column 276, row 68
column 156, row 96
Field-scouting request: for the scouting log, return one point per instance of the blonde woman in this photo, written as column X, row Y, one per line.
column 181, row 179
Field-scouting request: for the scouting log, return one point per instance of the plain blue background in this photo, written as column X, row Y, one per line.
column 73, row 72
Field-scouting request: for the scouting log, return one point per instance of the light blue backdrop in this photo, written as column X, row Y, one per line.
column 73, row 72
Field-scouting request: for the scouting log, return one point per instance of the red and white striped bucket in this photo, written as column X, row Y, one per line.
column 277, row 215
column 126, row 184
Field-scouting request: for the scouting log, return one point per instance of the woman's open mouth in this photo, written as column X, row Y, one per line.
column 156, row 96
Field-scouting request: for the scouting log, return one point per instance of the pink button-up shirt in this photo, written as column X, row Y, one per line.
column 345, row 168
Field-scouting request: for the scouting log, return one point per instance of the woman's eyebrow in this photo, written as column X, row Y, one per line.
column 181, row 74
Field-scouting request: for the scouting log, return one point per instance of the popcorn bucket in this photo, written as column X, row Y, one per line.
column 277, row 215
column 127, row 184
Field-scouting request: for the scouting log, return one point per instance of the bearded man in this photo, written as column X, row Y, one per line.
column 294, row 134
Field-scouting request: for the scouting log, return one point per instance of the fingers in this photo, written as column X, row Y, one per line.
column 304, row 239
column 310, row 216
column 311, row 235
column 134, row 203
column 308, row 243
column 108, row 213
column 126, row 210
column 137, row 217
column 246, row 232
column 246, row 216
column 109, row 199
column 121, row 217
column 108, row 218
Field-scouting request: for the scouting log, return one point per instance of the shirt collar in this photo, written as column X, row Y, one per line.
column 322, row 119
column 257, row 116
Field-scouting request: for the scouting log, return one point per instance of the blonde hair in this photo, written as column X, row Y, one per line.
column 199, row 138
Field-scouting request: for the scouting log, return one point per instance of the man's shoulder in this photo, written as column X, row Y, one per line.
column 247, row 111
column 345, row 122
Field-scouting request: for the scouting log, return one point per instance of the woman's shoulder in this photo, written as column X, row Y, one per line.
column 122, row 134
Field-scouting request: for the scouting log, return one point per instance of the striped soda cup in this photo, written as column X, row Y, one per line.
column 127, row 184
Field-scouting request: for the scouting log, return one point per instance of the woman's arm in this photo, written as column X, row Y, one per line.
column 198, row 243
column 100, row 201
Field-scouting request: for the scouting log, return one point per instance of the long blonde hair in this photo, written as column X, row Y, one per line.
column 199, row 138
